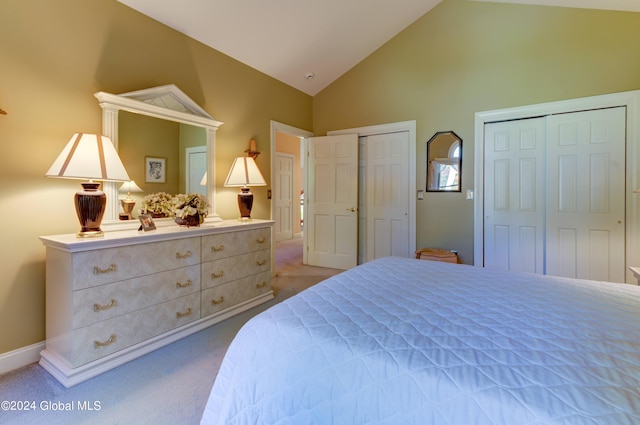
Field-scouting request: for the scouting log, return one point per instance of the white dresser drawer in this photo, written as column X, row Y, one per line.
column 218, row 272
column 224, row 296
column 92, row 268
column 103, row 338
column 115, row 298
column 233, row 243
column 104, row 302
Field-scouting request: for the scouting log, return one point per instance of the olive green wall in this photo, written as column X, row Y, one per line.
column 53, row 56
column 465, row 57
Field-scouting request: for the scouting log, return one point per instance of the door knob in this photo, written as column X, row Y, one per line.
column 352, row 209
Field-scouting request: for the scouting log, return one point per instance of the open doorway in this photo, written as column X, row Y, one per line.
column 288, row 188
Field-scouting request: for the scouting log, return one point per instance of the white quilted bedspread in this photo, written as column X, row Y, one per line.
column 401, row 341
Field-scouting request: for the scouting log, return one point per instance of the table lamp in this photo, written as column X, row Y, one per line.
column 89, row 157
column 244, row 173
column 128, row 203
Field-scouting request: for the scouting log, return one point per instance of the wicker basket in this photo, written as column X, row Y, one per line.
column 437, row 254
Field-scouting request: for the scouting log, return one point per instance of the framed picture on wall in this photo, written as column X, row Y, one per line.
column 155, row 169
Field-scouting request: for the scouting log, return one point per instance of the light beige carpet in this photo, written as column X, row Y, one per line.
column 291, row 274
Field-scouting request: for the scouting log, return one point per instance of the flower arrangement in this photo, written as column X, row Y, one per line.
column 157, row 204
column 189, row 204
column 185, row 208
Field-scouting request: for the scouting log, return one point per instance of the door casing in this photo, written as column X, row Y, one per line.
column 410, row 127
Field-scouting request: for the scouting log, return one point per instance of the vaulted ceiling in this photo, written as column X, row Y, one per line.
column 306, row 44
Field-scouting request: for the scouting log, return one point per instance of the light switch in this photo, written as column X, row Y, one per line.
column 469, row 194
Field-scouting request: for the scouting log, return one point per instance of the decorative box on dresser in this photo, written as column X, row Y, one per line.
column 113, row 299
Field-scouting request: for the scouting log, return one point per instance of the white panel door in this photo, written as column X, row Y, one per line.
column 283, row 191
column 387, row 197
column 332, row 202
column 514, row 206
column 586, row 194
column 196, row 167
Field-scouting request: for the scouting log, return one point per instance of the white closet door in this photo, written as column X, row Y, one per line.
column 514, row 195
column 586, row 195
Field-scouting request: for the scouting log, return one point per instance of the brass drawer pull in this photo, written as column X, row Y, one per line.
column 261, row 285
column 218, row 301
column 183, row 285
column 217, row 248
column 217, row 275
column 182, row 256
column 261, row 240
column 97, row 270
column 261, row 263
column 187, row 312
column 111, row 340
column 97, row 307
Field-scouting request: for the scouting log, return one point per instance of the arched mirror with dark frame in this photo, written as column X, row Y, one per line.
column 444, row 162
column 169, row 106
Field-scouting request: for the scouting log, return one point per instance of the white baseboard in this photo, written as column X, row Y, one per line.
column 21, row 357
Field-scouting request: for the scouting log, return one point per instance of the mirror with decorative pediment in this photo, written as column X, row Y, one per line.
column 444, row 162
column 160, row 125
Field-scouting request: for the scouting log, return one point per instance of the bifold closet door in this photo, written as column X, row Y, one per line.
column 514, row 195
column 585, row 229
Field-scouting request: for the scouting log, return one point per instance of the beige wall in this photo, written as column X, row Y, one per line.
column 53, row 56
column 141, row 136
column 464, row 57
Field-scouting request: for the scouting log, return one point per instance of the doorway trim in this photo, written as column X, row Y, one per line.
column 409, row 126
column 630, row 100
column 278, row 127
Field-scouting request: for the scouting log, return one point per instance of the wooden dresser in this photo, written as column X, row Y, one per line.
column 113, row 299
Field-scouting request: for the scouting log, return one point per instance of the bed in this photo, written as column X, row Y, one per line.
column 404, row 341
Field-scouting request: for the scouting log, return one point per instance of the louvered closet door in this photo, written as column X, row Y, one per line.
column 514, row 196
column 586, row 195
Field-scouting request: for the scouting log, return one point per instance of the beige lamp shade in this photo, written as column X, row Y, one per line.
column 89, row 157
column 128, row 187
column 128, row 203
column 244, row 172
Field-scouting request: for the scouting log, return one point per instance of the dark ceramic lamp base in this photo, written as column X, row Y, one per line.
column 90, row 204
column 245, row 203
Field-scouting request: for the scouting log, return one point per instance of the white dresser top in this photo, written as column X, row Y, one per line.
column 70, row 242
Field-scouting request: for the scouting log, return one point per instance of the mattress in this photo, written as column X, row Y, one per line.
column 404, row 341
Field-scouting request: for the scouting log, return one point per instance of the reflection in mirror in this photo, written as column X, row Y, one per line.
column 444, row 162
column 180, row 119
column 182, row 146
